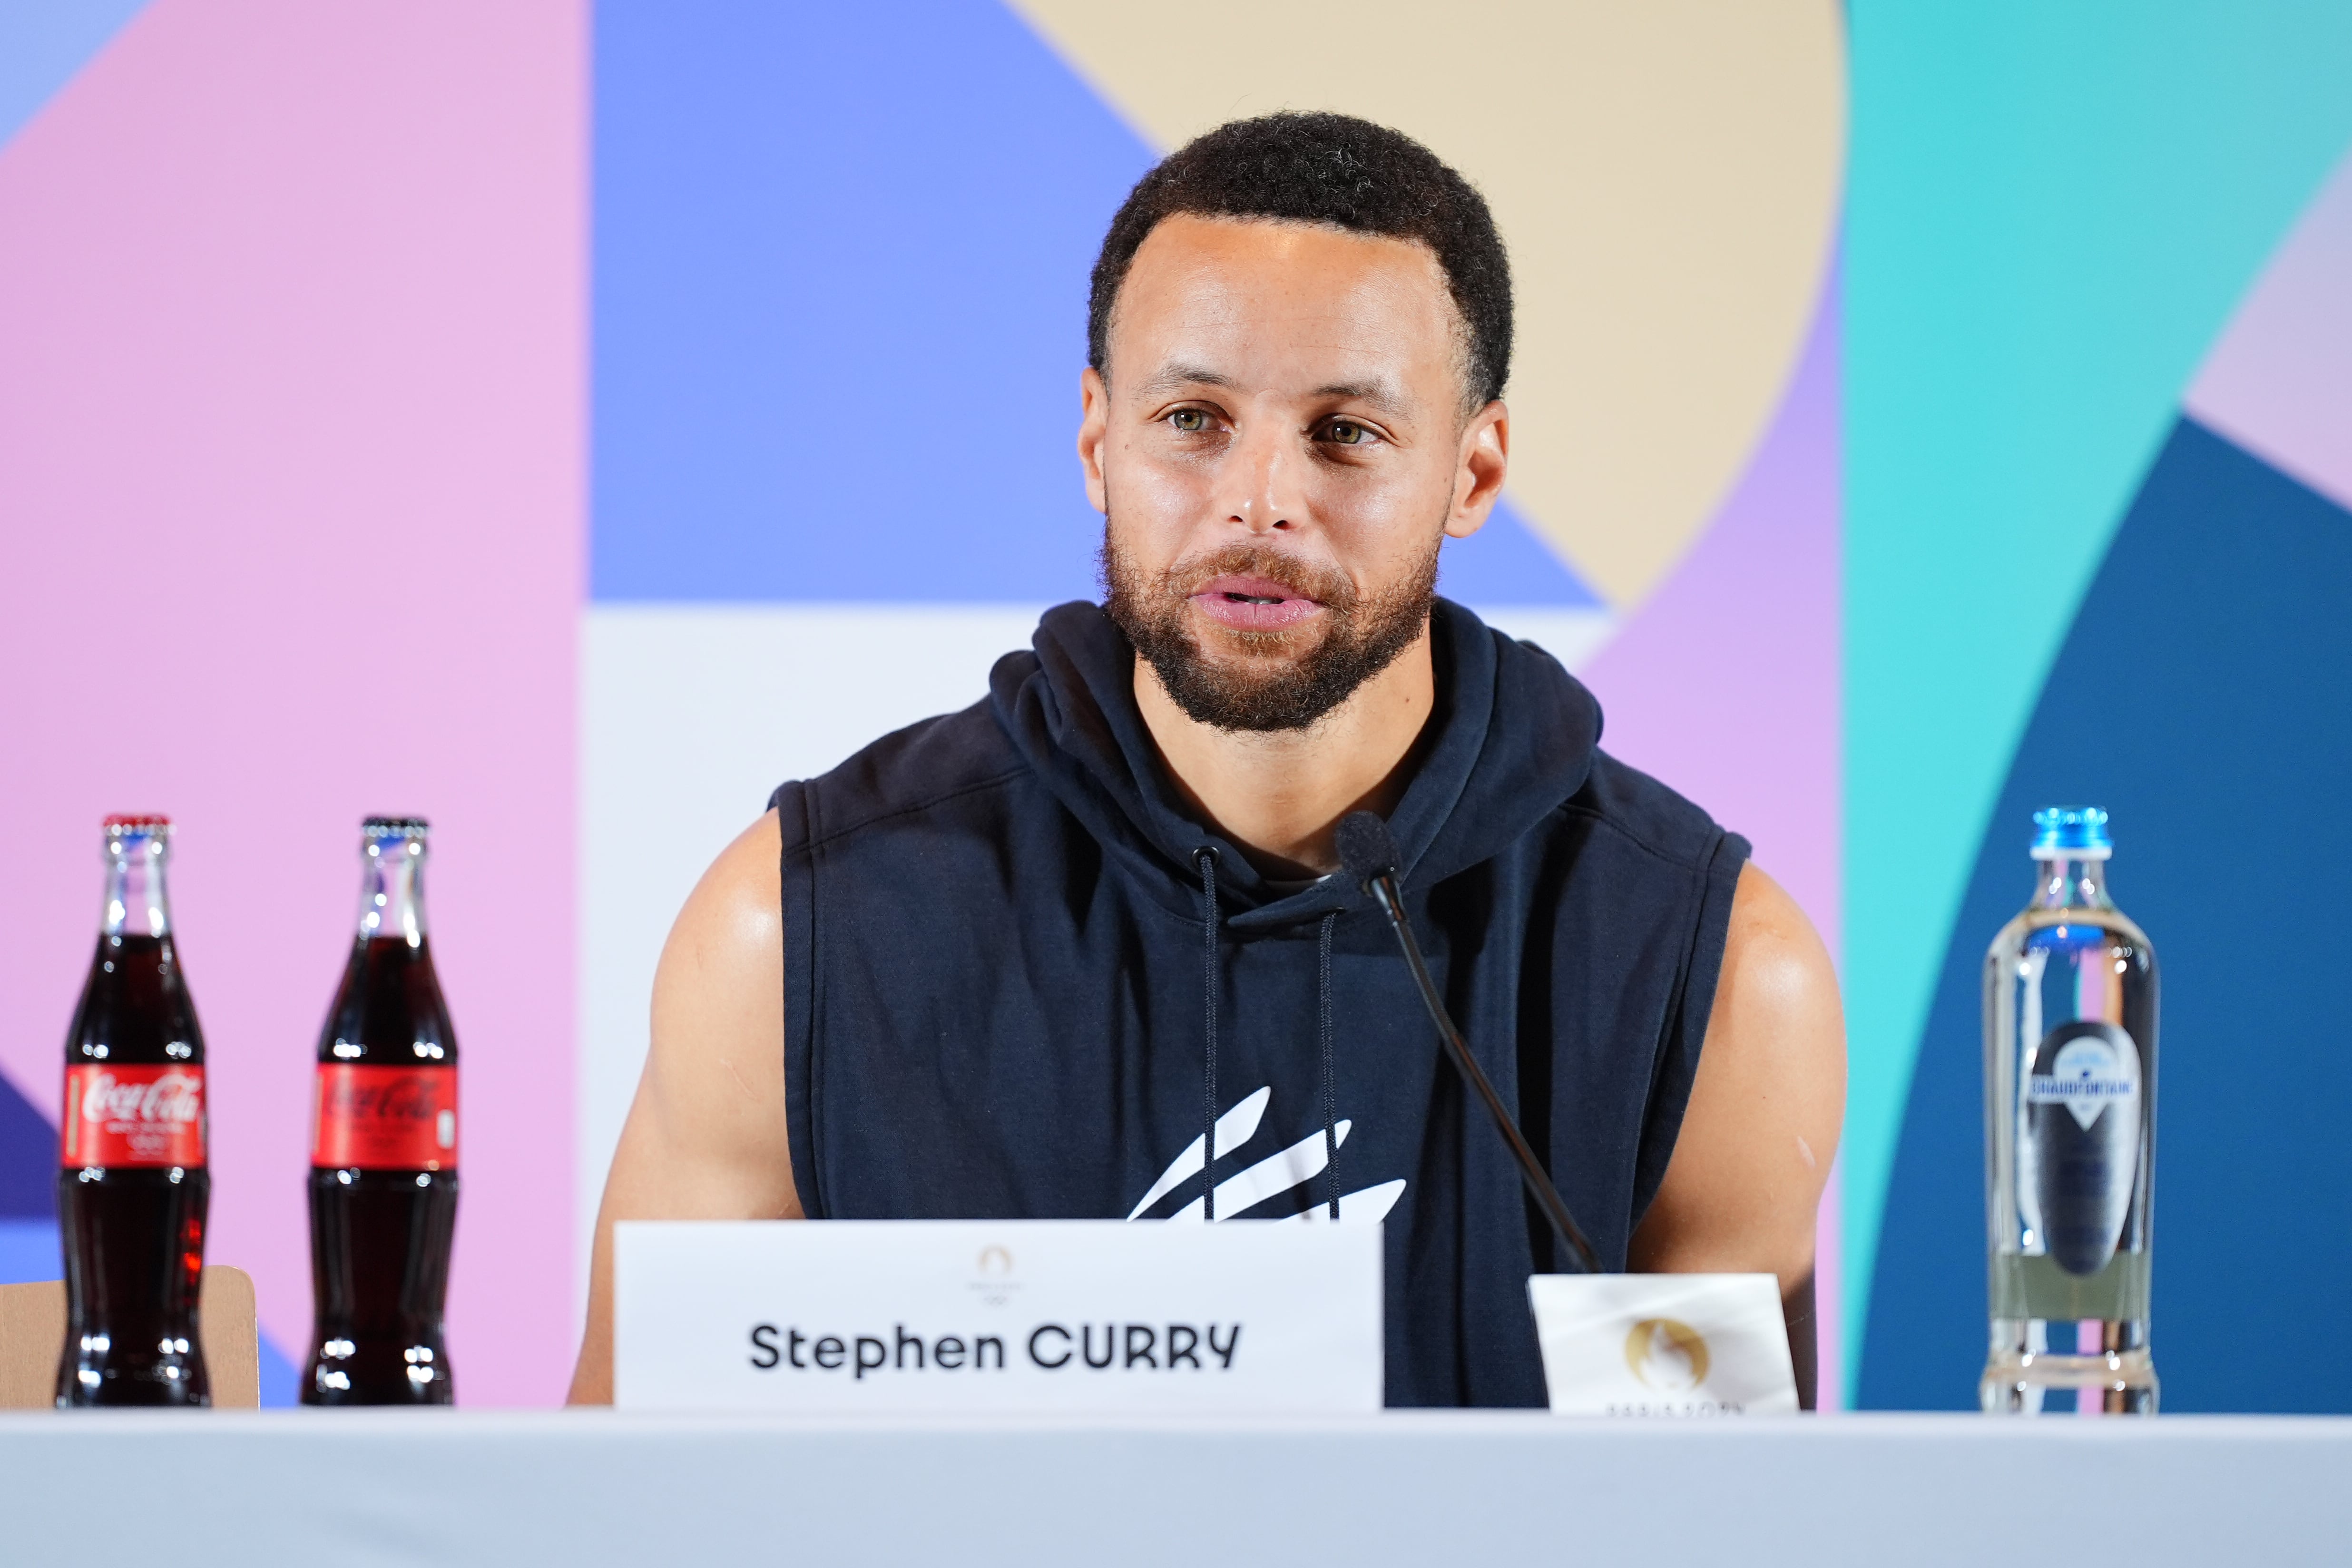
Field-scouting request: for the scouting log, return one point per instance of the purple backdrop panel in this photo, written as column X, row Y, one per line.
column 291, row 301
column 1726, row 684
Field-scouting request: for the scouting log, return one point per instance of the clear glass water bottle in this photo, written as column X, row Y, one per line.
column 2070, row 1134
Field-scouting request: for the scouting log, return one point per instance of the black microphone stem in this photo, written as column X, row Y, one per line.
column 1531, row 1171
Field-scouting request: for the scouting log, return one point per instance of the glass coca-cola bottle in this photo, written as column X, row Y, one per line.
column 132, row 1182
column 383, row 1148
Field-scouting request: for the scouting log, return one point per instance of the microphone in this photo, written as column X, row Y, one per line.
column 1370, row 854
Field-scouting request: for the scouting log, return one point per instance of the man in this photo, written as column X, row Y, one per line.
column 1015, row 960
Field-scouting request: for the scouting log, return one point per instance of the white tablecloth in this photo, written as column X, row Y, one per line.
column 465, row 1487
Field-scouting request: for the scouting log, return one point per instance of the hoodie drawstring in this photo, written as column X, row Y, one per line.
column 1331, row 1083
column 1206, row 859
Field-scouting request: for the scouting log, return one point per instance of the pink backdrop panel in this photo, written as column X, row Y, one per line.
column 2279, row 383
column 291, row 436
column 1727, row 684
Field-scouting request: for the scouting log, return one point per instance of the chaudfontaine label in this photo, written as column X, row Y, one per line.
column 2080, row 1152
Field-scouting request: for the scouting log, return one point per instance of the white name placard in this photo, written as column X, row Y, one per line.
column 1663, row 1344
column 981, row 1315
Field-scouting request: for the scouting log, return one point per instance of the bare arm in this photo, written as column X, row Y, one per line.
column 705, row 1138
column 1743, row 1188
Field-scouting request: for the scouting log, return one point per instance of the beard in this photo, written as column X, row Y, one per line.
column 1273, row 680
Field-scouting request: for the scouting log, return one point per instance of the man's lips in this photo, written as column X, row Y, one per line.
column 1247, row 603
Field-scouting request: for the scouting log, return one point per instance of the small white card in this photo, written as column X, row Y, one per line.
column 1663, row 1344
column 837, row 1315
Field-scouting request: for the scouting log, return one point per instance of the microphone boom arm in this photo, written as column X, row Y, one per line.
column 1383, row 888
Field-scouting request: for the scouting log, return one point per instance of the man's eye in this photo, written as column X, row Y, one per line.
column 1191, row 421
column 1346, row 433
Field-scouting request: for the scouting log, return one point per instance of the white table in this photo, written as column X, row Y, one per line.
column 558, row 1487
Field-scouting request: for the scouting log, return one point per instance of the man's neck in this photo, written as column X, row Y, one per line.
column 1280, row 795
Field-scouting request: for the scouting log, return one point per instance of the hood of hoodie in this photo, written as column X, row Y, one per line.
column 1068, row 708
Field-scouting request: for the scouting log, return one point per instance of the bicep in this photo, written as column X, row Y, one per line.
column 706, row 1136
column 1744, row 1184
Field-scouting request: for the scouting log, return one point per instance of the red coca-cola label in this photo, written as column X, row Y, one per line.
column 385, row 1118
column 134, row 1116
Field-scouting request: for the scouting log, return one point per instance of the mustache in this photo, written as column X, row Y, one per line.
column 1255, row 687
column 1305, row 579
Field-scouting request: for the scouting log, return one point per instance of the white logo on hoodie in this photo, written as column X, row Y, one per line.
column 1276, row 1174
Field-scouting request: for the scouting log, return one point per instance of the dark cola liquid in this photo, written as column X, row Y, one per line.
column 380, row 1270
column 380, row 1238
column 134, row 1237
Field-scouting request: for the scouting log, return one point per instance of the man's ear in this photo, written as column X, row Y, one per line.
column 1094, row 428
column 1485, row 459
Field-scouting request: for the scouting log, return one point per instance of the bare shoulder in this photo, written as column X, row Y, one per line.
column 714, row 1080
column 729, row 937
column 734, row 914
column 1779, row 991
column 1741, row 1190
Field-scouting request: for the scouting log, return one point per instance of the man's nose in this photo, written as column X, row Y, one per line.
column 1257, row 480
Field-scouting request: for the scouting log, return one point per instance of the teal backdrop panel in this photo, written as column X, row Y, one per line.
column 2052, row 210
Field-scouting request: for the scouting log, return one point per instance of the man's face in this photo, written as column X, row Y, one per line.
column 1279, row 451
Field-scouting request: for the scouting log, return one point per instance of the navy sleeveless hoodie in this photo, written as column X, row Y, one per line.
column 1020, row 975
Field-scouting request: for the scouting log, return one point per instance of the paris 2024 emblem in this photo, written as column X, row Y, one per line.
column 1666, row 1355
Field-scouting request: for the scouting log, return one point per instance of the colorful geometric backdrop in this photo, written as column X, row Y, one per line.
column 568, row 421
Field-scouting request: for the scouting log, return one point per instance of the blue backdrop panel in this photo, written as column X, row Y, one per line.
column 28, row 1153
column 1505, row 563
column 2199, row 698
column 840, row 269
column 840, row 284
column 43, row 43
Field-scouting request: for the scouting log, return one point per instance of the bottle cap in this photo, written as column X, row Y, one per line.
column 2071, row 833
column 137, row 821
column 394, row 828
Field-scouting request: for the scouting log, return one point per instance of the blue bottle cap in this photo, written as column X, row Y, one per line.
column 2071, row 833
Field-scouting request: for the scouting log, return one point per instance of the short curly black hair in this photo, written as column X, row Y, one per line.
column 1329, row 169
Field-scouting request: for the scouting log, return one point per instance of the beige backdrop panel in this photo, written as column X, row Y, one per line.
column 1666, row 173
